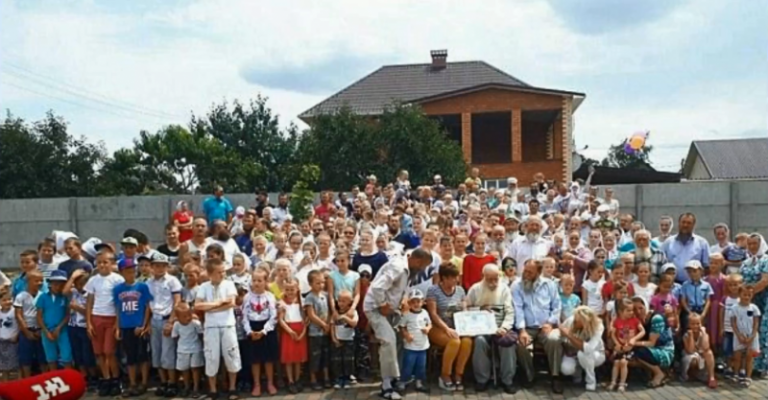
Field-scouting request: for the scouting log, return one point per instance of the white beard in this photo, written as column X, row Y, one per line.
column 643, row 254
column 531, row 236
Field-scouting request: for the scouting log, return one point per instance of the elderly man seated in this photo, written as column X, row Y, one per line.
column 488, row 294
column 537, row 315
column 645, row 253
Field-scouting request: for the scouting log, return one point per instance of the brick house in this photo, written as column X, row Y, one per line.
column 505, row 126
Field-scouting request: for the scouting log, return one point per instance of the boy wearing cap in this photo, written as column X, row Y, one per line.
column 415, row 326
column 52, row 317
column 695, row 294
column 132, row 299
column 166, row 295
column 130, row 247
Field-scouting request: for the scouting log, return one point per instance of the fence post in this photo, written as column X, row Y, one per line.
column 73, row 220
column 733, row 213
column 639, row 203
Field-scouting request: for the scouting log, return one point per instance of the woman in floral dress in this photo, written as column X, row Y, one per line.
column 755, row 272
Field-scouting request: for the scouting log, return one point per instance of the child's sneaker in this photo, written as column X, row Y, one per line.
column 104, row 388
column 747, row 382
column 742, row 377
column 339, row 384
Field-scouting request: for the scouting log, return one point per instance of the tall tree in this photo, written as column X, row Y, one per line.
column 618, row 158
column 347, row 147
column 43, row 160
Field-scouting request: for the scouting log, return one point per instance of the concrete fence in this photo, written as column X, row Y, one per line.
column 743, row 205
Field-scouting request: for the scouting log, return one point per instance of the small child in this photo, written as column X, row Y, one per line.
column 192, row 275
column 731, row 299
column 166, row 295
column 30, row 345
column 343, row 338
column 189, row 349
column 293, row 340
column 82, row 351
column 625, row 330
column 664, row 296
column 282, row 272
column 101, row 321
column 620, row 292
column 9, row 336
column 259, row 321
column 52, row 318
column 549, row 267
column 628, row 260
column 239, row 272
column 415, row 326
column 591, row 288
column 695, row 294
column 644, row 287
column 716, row 280
column 735, row 254
column 316, row 308
column 244, row 376
column 697, row 354
column 145, row 269
column 133, row 299
column 745, row 321
column 671, row 270
column 568, row 299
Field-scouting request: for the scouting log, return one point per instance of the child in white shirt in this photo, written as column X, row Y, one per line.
column 415, row 326
column 343, row 338
column 9, row 336
column 592, row 288
column 745, row 320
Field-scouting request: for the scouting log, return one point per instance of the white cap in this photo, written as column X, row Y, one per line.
column 240, row 210
column 371, row 177
column 416, row 294
column 365, row 268
column 603, row 208
column 668, row 266
column 130, row 240
column 695, row 264
column 512, row 180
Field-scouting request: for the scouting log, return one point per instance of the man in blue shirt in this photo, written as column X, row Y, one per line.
column 686, row 246
column 132, row 303
column 217, row 207
column 537, row 315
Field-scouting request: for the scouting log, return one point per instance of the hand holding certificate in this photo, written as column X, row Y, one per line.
column 475, row 323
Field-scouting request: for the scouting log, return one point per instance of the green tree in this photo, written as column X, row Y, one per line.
column 43, row 160
column 618, row 158
column 347, row 147
column 302, row 195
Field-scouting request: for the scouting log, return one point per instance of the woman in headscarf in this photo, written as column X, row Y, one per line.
column 754, row 270
column 611, row 254
column 656, row 351
column 583, row 345
column 183, row 219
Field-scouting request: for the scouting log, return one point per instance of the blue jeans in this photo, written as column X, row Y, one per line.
column 414, row 364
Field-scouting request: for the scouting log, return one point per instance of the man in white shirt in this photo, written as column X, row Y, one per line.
column 530, row 247
column 222, row 237
column 217, row 299
column 382, row 303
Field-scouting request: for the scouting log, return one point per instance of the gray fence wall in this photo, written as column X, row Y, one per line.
column 23, row 223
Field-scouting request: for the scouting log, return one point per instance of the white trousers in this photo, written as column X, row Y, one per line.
column 221, row 342
column 384, row 332
column 586, row 361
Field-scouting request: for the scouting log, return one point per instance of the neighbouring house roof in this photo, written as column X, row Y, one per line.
column 619, row 176
column 730, row 158
column 418, row 83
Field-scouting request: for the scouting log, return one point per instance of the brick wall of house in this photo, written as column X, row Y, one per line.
column 495, row 100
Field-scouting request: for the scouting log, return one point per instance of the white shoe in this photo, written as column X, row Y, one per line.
column 391, row 395
column 447, row 386
column 591, row 388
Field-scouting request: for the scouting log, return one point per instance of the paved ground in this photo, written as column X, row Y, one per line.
column 673, row 391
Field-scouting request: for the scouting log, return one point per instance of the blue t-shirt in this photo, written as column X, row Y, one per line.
column 569, row 304
column 217, row 208
column 70, row 266
column 54, row 307
column 131, row 302
column 734, row 253
column 20, row 285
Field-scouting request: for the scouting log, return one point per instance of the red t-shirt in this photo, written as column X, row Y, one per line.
column 626, row 328
column 322, row 212
column 607, row 291
column 183, row 218
column 472, row 269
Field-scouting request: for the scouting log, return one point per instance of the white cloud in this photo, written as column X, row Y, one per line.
column 178, row 60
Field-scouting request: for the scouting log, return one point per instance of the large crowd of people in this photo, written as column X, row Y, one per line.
column 370, row 287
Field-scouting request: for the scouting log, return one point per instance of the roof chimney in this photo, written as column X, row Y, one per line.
column 439, row 58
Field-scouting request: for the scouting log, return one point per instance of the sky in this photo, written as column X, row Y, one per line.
column 682, row 69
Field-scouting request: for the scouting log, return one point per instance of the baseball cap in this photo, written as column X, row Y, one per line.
column 160, row 258
column 365, row 268
column 416, row 294
column 130, row 241
column 668, row 266
column 603, row 208
column 58, row 276
column 694, row 264
column 126, row 263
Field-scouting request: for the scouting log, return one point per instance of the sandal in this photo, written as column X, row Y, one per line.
column 712, row 383
column 622, row 387
column 611, row 386
column 256, row 392
column 272, row 390
column 654, row 385
column 232, row 395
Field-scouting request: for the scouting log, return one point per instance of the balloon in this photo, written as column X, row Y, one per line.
column 636, row 142
column 628, row 149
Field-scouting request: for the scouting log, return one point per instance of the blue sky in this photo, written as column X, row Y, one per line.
column 682, row 69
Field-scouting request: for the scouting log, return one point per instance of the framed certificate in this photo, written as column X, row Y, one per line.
column 475, row 323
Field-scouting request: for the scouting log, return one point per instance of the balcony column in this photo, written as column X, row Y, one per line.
column 466, row 137
column 517, row 135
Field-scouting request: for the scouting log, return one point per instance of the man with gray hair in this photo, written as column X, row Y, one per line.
column 537, row 315
column 489, row 295
column 531, row 246
column 645, row 253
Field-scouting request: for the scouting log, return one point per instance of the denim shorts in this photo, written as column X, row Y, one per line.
column 728, row 344
column 30, row 351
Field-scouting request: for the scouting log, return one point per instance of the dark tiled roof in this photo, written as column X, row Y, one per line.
column 374, row 92
column 734, row 158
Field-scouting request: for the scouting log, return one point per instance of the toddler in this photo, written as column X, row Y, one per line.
column 52, row 318
column 620, row 293
column 293, row 332
column 9, row 336
column 731, row 299
column 734, row 254
column 166, row 295
column 245, row 375
column 591, row 289
column 316, row 308
column 259, row 321
column 568, row 300
column 132, row 299
column 625, row 331
column 745, row 321
column 343, row 338
column 697, row 354
column 415, row 326
column 189, row 349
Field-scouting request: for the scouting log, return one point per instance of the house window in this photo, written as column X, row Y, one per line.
column 492, row 138
column 450, row 124
column 537, row 134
